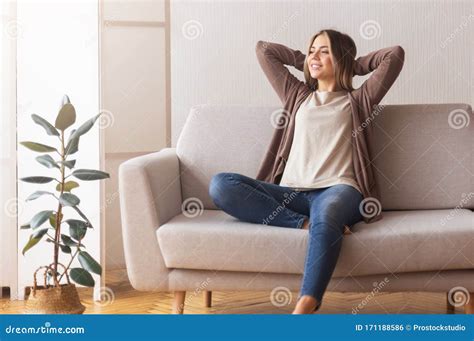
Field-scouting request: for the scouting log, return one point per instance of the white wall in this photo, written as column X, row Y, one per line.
column 135, row 95
column 213, row 47
column 8, row 200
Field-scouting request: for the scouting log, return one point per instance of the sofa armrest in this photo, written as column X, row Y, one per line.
column 150, row 195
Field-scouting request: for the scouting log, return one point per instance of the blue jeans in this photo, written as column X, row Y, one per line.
column 328, row 209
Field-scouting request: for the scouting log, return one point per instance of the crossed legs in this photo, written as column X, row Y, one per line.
column 329, row 210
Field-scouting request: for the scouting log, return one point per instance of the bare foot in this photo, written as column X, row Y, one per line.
column 305, row 305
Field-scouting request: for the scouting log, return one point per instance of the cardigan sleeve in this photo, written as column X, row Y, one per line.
column 386, row 64
column 272, row 58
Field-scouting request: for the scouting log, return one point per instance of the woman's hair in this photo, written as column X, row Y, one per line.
column 343, row 51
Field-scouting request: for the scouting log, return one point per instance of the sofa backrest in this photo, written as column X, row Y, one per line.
column 423, row 153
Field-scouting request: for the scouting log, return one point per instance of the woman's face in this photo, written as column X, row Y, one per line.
column 320, row 59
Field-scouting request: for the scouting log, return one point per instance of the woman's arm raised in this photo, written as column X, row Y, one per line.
column 272, row 58
column 386, row 64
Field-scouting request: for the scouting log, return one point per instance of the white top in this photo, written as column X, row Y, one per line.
column 321, row 151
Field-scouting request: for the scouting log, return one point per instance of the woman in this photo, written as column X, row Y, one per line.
column 317, row 172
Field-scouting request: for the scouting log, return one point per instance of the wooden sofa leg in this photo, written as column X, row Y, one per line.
column 178, row 302
column 469, row 306
column 207, row 299
column 450, row 309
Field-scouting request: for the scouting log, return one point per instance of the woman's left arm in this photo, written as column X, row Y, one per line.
column 386, row 64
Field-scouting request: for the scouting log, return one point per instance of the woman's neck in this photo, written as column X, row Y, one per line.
column 330, row 86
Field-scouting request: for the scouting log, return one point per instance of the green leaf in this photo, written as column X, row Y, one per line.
column 82, row 277
column 90, row 174
column 72, row 146
column 52, row 221
column 25, row 226
column 85, row 127
column 68, row 163
column 37, row 194
column 31, row 242
column 65, row 248
column 71, row 135
column 68, row 186
column 77, row 228
column 38, row 234
column 89, row 224
column 47, row 160
column 37, row 179
column 88, row 263
column 39, row 218
column 68, row 241
column 38, row 147
column 69, row 199
column 34, row 239
column 65, row 99
column 66, row 117
column 50, row 130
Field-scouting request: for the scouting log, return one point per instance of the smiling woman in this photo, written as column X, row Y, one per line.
column 329, row 65
column 314, row 156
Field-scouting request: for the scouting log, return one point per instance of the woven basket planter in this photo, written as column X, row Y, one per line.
column 53, row 299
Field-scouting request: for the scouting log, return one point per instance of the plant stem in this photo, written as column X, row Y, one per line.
column 57, row 236
column 69, row 264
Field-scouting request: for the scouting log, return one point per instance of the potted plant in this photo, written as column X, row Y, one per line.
column 56, row 297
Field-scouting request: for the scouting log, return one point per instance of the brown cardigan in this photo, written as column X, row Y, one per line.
column 386, row 64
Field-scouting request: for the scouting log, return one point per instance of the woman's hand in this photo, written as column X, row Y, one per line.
column 356, row 67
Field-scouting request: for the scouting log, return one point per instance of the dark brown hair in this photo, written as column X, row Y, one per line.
column 343, row 51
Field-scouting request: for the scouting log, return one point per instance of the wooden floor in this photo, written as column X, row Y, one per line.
column 121, row 298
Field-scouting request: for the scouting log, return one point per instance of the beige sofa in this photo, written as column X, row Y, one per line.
column 176, row 240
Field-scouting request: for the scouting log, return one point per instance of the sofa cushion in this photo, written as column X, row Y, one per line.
column 404, row 241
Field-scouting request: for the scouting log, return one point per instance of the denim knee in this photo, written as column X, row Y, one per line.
column 217, row 188
column 325, row 222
